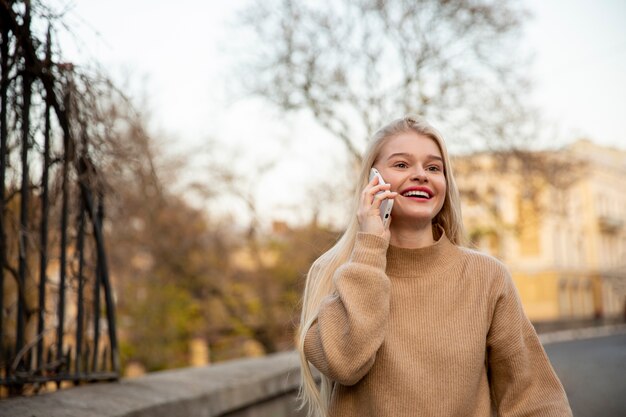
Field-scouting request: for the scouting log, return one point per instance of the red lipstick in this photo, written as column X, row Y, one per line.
column 423, row 189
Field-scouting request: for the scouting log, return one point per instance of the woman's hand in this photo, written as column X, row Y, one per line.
column 368, row 214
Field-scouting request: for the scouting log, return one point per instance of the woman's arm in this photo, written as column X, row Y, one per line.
column 351, row 324
column 522, row 380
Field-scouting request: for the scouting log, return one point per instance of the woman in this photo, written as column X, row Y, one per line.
column 403, row 321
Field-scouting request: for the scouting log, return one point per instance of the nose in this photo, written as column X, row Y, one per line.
column 419, row 174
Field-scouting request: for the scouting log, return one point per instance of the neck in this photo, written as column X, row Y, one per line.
column 428, row 261
column 415, row 237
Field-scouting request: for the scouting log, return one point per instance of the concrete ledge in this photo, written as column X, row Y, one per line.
column 210, row 391
column 583, row 333
column 260, row 387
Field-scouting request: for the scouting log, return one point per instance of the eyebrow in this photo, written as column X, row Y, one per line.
column 408, row 155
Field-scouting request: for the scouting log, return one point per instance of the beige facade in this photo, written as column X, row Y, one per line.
column 560, row 226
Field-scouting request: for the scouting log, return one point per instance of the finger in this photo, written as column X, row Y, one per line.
column 379, row 198
column 367, row 195
column 376, row 189
column 370, row 197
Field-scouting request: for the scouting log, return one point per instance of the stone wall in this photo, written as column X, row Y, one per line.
column 260, row 387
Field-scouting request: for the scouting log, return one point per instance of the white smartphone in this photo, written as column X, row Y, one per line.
column 387, row 204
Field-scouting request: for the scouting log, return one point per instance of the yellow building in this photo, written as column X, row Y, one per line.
column 558, row 220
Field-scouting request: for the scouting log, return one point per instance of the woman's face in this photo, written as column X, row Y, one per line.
column 413, row 165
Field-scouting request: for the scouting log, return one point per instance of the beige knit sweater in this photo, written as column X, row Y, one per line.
column 436, row 331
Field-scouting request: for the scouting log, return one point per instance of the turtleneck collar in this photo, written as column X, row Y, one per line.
column 433, row 259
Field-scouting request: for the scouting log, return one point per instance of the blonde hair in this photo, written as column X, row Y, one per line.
column 319, row 282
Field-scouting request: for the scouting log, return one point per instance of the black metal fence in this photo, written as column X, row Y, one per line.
column 57, row 319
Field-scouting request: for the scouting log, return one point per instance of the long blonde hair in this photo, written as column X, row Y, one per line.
column 319, row 282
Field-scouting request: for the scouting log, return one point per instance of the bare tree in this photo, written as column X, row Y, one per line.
column 355, row 64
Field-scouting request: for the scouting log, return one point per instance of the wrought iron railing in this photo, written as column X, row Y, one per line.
column 57, row 319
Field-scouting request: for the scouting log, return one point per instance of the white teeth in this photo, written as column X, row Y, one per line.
column 416, row 194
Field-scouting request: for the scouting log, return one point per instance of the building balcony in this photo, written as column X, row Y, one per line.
column 610, row 224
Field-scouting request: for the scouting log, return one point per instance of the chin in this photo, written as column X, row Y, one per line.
column 413, row 218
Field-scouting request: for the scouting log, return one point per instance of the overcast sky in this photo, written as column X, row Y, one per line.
column 175, row 54
column 579, row 67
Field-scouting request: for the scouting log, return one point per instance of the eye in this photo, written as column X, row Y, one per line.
column 434, row 168
column 400, row 165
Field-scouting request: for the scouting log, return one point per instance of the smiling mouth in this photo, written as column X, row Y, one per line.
column 417, row 194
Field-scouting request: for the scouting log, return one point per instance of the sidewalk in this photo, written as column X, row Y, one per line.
column 565, row 331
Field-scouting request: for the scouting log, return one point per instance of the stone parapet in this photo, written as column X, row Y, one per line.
column 260, row 387
column 257, row 387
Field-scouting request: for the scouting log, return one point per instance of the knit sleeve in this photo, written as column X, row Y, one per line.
column 523, row 382
column 351, row 323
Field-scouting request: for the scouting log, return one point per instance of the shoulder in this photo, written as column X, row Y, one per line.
column 485, row 267
column 481, row 260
